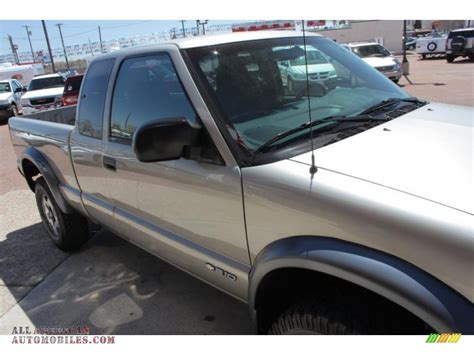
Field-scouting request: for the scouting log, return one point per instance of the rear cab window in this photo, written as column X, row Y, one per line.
column 92, row 101
column 73, row 84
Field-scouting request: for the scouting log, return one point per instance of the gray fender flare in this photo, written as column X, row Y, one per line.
column 431, row 300
column 35, row 157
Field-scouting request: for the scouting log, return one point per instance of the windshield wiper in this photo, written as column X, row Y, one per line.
column 330, row 120
column 388, row 102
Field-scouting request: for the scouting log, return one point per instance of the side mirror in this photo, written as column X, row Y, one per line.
column 18, row 90
column 24, row 89
column 164, row 139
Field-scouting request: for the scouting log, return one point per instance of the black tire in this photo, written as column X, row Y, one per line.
column 318, row 316
column 291, row 86
column 450, row 58
column 14, row 110
column 396, row 81
column 423, row 56
column 67, row 231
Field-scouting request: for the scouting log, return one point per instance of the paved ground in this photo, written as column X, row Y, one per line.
column 436, row 80
column 114, row 287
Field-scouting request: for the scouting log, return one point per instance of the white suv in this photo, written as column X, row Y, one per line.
column 378, row 57
column 460, row 43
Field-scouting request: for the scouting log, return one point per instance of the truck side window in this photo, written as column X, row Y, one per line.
column 92, row 101
column 147, row 88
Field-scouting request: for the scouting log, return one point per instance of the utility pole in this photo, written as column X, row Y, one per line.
column 90, row 47
column 100, row 41
column 203, row 24
column 62, row 41
column 405, row 63
column 28, row 33
column 182, row 25
column 14, row 47
column 49, row 46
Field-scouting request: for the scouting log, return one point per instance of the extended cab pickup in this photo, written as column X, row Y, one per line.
column 338, row 209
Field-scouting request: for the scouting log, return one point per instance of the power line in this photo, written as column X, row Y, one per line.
column 130, row 24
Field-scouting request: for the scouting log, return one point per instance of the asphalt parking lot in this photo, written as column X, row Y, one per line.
column 115, row 288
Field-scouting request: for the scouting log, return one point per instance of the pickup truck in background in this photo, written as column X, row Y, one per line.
column 333, row 210
column 44, row 93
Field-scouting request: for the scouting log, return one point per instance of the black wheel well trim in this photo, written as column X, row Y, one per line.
column 34, row 156
column 399, row 281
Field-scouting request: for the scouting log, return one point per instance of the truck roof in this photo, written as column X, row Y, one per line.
column 46, row 76
column 360, row 44
column 210, row 40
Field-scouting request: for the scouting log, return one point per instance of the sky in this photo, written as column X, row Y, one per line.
column 79, row 31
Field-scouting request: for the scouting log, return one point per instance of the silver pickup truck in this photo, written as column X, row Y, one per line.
column 341, row 208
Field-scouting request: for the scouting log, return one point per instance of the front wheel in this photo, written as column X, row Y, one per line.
column 450, row 58
column 14, row 110
column 291, row 85
column 67, row 231
column 315, row 316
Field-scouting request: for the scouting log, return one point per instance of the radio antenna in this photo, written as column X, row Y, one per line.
column 313, row 169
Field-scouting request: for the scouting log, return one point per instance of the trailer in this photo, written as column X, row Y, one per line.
column 23, row 73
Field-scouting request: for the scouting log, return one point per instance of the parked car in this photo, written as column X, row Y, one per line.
column 460, row 43
column 293, row 71
column 378, row 57
column 10, row 98
column 44, row 93
column 66, row 73
column 355, row 218
column 71, row 90
column 410, row 43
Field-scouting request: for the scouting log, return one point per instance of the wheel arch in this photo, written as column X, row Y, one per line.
column 396, row 280
column 33, row 163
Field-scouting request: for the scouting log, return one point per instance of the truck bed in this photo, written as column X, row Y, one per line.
column 49, row 133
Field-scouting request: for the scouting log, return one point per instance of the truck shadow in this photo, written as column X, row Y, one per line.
column 112, row 287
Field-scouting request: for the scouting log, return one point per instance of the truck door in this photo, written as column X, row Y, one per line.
column 87, row 143
column 188, row 211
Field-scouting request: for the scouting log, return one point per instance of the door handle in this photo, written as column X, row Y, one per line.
column 109, row 163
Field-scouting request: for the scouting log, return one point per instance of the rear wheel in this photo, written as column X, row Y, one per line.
column 67, row 231
column 423, row 56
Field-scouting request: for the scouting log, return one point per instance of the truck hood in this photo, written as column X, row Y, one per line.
column 379, row 62
column 43, row 93
column 5, row 96
column 427, row 153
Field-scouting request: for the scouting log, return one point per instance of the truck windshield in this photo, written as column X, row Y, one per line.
column 259, row 97
column 46, row 83
column 5, row 87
